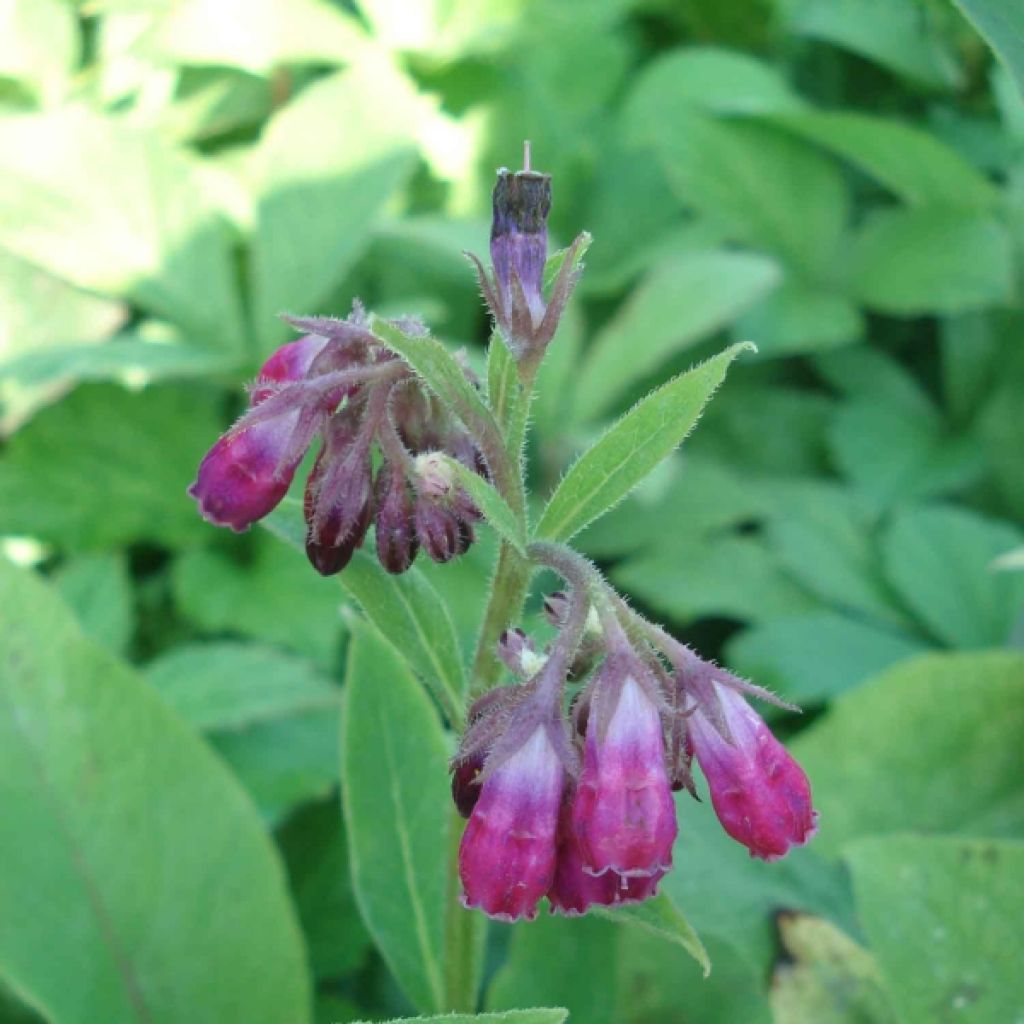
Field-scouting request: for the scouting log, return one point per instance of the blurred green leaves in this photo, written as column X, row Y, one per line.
column 86, row 740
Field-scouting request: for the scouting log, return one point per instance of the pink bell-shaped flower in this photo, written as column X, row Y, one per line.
column 759, row 792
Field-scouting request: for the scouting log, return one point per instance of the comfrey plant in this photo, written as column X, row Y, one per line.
column 567, row 773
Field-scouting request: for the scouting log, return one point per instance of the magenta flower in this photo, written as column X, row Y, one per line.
column 574, row 890
column 624, row 814
column 507, row 855
column 288, row 363
column 760, row 794
column 248, row 471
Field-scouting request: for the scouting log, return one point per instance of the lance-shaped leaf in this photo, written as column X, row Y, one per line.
column 396, row 801
column 632, row 447
column 136, row 880
column 406, row 609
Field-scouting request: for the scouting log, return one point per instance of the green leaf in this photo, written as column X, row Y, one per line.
column 504, row 392
column 561, row 960
column 106, row 467
column 406, row 609
column 396, row 800
column 39, row 44
column 493, row 506
column 798, row 317
column 256, row 35
column 98, row 589
column 272, row 596
column 765, row 187
column 809, row 659
column 662, row 917
column 632, row 447
column 824, row 536
column 827, row 978
column 106, row 790
column 902, row 37
column 222, row 686
column 731, row 896
column 677, row 304
column 320, row 196
column 940, row 561
column 915, row 261
column 894, row 453
column 717, row 80
column 943, row 917
column 1001, row 23
column 284, row 761
column 544, row 1016
column 111, row 208
column 931, row 744
column 125, row 359
column 315, row 850
column 691, row 576
column 914, row 165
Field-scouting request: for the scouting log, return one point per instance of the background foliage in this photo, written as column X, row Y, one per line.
column 841, row 181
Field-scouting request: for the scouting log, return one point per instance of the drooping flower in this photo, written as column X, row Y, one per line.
column 574, row 889
column 397, row 542
column 507, row 854
column 624, row 814
column 761, row 795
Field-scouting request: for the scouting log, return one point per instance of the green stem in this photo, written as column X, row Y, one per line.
column 508, row 593
column 465, row 931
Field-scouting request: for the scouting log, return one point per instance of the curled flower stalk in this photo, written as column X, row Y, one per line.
column 575, row 756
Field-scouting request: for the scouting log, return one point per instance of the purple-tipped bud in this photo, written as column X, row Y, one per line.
column 338, row 499
column 248, row 471
column 519, row 238
column 519, row 653
column 289, row 363
column 624, row 814
column 760, row 794
column 507, row 855
column 556, row 608
column 465, row 784
column 397, row 543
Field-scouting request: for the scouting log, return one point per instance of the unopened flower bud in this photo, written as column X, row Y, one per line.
column 435, row 478
column 247, row 472
column 338, row 499
column 519, row 238
column 397, row 543
column 288, row 363
column 519, row 653
column 759, row 792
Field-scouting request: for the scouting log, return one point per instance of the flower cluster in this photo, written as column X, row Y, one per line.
column 579, row 807
column 339, row 382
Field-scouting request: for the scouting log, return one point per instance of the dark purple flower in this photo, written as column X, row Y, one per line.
column 338, row 499
column 624, row 814
column 397, row 542
column 507, row 854
column 519, row 238
column 759, row 792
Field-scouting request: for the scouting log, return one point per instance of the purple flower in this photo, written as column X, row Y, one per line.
column 507, row 855
column 760, row 794
column 624, row 814
column 519, row 238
